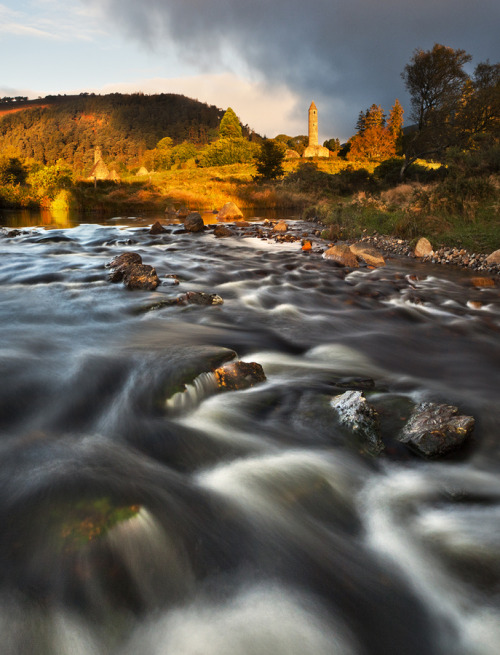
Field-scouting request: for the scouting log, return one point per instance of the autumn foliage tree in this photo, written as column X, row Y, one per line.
column 376, row 138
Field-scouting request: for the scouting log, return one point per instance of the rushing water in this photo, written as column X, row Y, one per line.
column 256, row 525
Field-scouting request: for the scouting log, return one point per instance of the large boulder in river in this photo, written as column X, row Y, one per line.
column 194, row 222
column 369, row 254
column 341, row 254
column 141, row 276
column 435, row 429
column 356, row 414
column 229, row 212
column 423, row 248
column 239, row 375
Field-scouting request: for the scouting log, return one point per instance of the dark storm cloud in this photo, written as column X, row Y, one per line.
column 344, row 54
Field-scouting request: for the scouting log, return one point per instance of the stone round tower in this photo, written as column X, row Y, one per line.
column 313, row 125
column 314, row 149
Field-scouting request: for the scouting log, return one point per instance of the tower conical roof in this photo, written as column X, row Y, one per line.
column 313, row 106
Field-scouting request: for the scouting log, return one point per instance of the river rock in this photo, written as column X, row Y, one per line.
column 355, row 413
column 202, row 298
column 157, row 228
column 239, row 375
column 280, row 226
column 194, row 222
column 121, row 263
column 423, row 248
column 141, row 276
column 221, row 231
column 229, row 212
column 369, row 254
column 494, row 258
column 342, row 255
column 435, row 429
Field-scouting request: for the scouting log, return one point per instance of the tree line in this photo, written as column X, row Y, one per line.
column 450, row 109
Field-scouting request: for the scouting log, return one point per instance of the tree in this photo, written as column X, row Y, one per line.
column 437, row 84
column 230, row 127
column 480, row 110
column 395, row 124
column 269, row 160
column 12, row 171
column 332, row 144
column 374, row 140
column 435, row 80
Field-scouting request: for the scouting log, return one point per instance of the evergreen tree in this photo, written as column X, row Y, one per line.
column 395, row 124
column 230, row 127
column 269, row 160
column 374, row 140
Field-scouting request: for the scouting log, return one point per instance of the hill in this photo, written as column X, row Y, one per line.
column 124, row 126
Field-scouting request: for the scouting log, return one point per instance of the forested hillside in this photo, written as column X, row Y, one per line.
column 69, row 127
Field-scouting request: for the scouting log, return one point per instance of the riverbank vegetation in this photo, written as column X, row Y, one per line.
column 437, row 178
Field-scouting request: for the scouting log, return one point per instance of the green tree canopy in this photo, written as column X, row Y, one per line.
column 230, row 127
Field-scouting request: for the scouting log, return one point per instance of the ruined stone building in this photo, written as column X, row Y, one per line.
column 99, row 170
column 314, row 149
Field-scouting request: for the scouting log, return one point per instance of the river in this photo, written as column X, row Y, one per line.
column 140, row 515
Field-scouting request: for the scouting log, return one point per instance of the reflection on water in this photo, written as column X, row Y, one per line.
column 67, row 218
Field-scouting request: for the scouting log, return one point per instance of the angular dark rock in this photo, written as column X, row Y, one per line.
column 141, row 276
column 239, row 375
column 121, row 264
column 157, row 228
column 355, row 413
column 194, row 222
column 435, row 429
column 125, row 258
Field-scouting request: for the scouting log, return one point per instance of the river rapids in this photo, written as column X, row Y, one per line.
column 143, row 511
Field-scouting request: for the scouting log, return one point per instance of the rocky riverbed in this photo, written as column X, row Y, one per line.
column 309, row 235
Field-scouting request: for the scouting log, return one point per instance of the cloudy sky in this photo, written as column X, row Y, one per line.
column 267, row 59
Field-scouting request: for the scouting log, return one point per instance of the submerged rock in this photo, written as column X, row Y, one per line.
column 222, row 231
column 239, row 375
column 342, row 255
column 355, row 413
column 194, row 222
column 229, row 212
column 202, row 298
column 482, row 282
column 435, row 429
